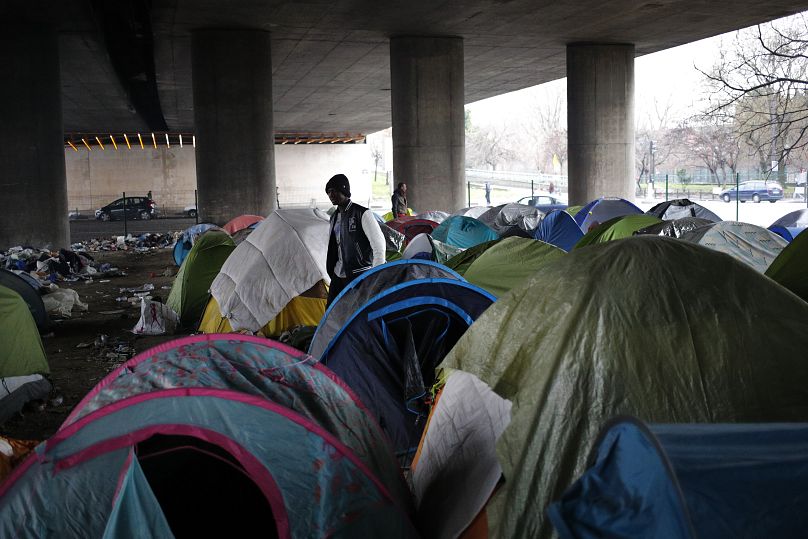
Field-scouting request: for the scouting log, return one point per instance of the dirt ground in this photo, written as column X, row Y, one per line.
column 76, row 369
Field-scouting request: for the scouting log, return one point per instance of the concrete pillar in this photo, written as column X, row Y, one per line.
column 600, row 119
column 235, row 146
column 32, row 155
column 428, row 122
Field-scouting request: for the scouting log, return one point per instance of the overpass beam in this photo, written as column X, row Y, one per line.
column 32, row 154
column 427, row 99
column 235, row 146
column 600, row 118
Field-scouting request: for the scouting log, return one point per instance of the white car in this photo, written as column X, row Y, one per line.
column 189, row 211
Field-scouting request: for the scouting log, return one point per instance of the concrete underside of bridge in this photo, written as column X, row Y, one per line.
column 126, row 66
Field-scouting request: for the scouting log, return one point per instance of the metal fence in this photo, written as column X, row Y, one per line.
column 493, row 187
column 169, row 203
column 701, row 185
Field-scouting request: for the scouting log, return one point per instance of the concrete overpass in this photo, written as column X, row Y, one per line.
column 233, row 73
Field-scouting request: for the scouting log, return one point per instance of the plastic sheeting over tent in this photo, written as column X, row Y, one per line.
column 509, row 263
column 463, row 232
column 603, row 209
column 686, row 481
column 388, row 350
column 366, row 286
column 457, row 469
column 512, row 220
column 617, row 228
column 472, row 211
column 682, row 207
column 241, row 222
column 257, row 433
column 748, row 243
column 186, row 241
column 674, row 228
column 606, row 339
column 29, row 294
column 280, row 260
column 560, row 229
column 434, row 215
column 189, row 294
column 790, row 268
column 419, row 247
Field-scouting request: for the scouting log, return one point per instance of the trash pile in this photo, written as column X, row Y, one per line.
column 140, row 244
column 113, row 351
column 54, row 266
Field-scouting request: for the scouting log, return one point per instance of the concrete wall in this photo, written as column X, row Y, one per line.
column 98, row 177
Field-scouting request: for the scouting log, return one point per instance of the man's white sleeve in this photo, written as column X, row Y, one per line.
column 375, row 236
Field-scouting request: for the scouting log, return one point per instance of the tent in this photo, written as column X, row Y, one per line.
column 22, row 359
column 648, row 326
column 189, row 294
column 461, row 261
column 790, row 268
column 387, row 217
column 212, row 436
column 682, row 207
column 419, row 247
column 456, row 468
column 434, row 215
column 472, row 211
column 412, row 226
column 512, row 220
column 509, row 263
column 463, row 232
column 185, row 242
column 241, row 235
column 791, row 224
column 674, row 228
column 684, row 481
column 601, row 210
column 241, row 222
column 387, row 351
column 748, row 243
column 371, row 283
column 617, row 228
column 787, row 233
column 29, row 294
column 560, row 229
column 283, row 258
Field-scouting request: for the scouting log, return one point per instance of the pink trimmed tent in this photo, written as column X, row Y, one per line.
column 210, row 435
column 241, row 222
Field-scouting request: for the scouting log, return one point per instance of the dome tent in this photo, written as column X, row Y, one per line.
column 185, row 242
column 463, row 232
column 682, row 207
column 790, row 268
column 513, row 220
column 601, row 210
column 241, row 222
column 606, row 339
column 748, row 243
column 461, row 261
column 617, row 228
column 674, row 228
column 560, row 229
column 206, row 426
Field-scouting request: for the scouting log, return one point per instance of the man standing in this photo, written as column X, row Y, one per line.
column 355, row 243
column 399, row 200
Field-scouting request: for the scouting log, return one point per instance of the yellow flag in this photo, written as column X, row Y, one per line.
column 556, row 163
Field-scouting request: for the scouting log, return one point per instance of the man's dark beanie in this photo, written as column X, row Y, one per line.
column 340, row 183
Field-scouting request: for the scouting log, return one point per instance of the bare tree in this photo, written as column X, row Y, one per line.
column 376, row 154
column 760, row 85
column 488, row 146
column 654, row 127
column 716, row 145
column 544, row 130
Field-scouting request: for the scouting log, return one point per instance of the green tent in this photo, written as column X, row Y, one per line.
column 22, row 350
column 654, row 327
column 190, row 295
column 461, row 261
column 790, row 268
column 617, row 228
column 509, row 263
column 572, row 210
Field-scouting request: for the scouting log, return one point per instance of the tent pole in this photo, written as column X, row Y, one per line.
column 196, row 205
column 125, row 231
column 468, row 187
column 737, row 195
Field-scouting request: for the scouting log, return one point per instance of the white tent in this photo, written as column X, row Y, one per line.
column 281, row 259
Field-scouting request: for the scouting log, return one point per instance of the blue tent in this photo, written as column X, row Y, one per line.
column 464, row 232
column 560, row 229
column 369, row 284
column 389, row 348
column 186, row 241
column 788, row 233
column 690, row 480
column 212, row 435
column 602, row 209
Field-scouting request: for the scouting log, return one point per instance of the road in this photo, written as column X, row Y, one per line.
column 83, row 230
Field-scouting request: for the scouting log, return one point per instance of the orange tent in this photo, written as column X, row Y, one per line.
column 241, row 222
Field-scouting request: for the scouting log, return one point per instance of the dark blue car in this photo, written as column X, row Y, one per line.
column 543, row 203
column 754, row 191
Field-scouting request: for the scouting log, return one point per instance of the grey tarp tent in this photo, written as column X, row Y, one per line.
column 648, row 326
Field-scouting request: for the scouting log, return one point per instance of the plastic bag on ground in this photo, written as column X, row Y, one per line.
column 155, row 319
column 62, row 301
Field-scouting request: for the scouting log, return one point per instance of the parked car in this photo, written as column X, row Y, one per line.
column 544, row 203
column 136, row 208
column 190, row 211
column 755, row 191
